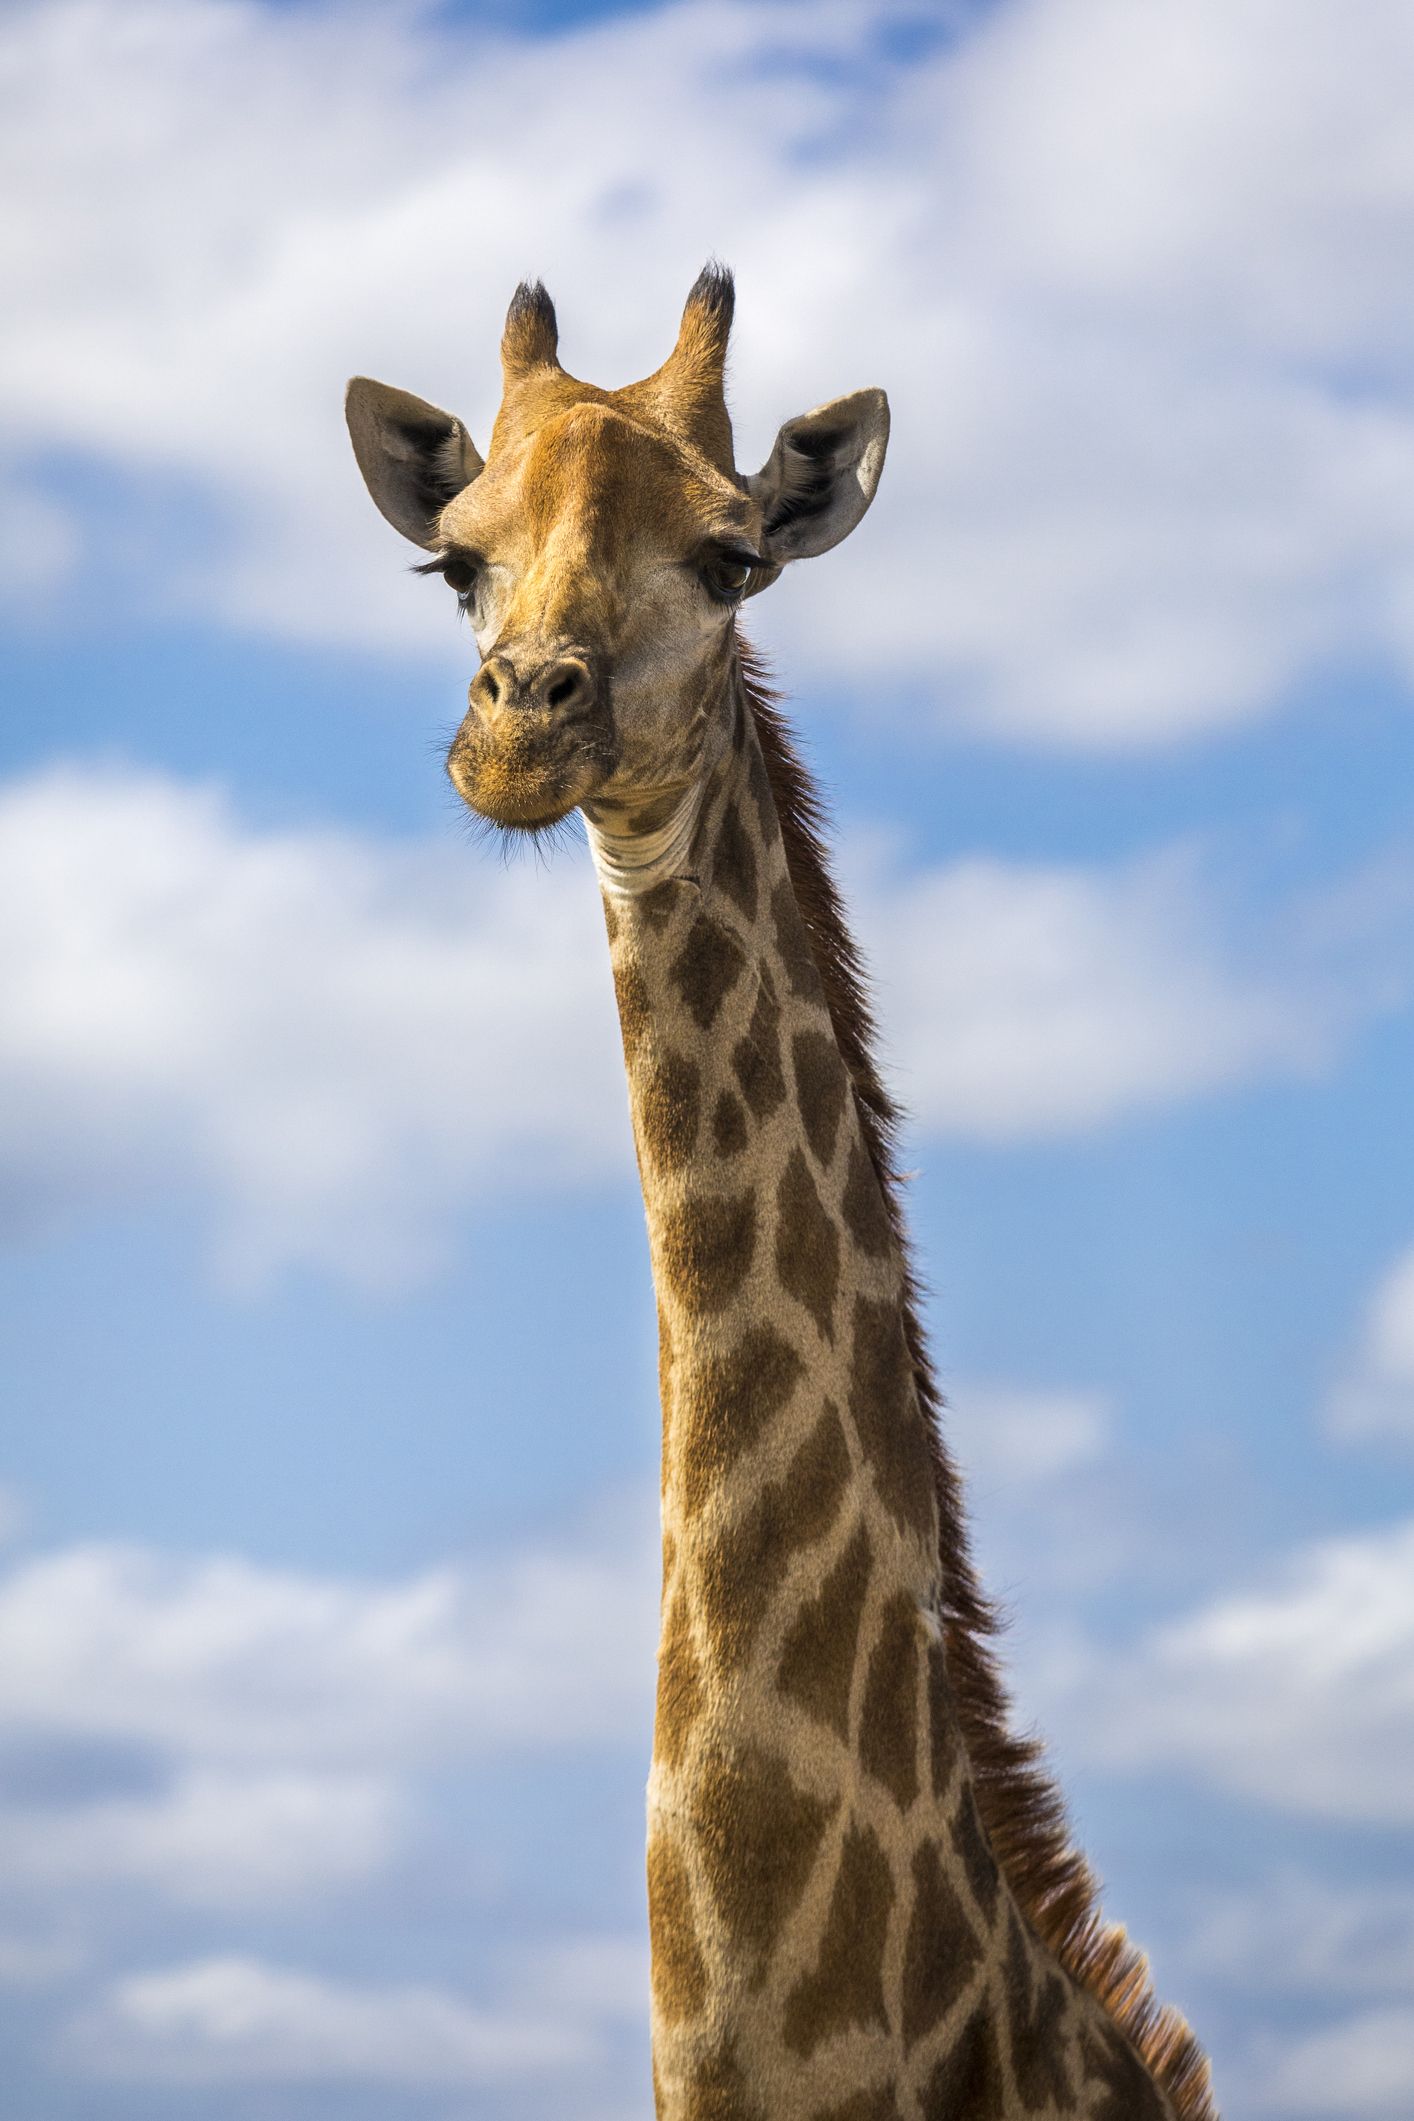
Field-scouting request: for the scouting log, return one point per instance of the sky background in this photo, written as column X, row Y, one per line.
column 327, row 1497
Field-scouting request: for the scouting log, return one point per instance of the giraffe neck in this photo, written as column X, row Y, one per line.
column 832, row 1937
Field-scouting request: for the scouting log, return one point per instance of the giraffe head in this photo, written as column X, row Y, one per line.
column 600, row 550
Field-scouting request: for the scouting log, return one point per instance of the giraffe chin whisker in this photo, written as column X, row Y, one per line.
column 539, row 841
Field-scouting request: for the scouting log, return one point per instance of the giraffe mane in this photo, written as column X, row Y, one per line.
column 1022, row 1810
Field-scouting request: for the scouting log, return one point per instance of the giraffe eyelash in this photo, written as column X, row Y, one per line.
column 451, row 565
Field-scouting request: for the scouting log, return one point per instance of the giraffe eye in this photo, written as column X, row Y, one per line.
column 460, row 574
column 726, row 574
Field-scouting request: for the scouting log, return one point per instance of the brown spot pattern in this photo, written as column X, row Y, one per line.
column 706, row 1248
column 888, row 1719
column 658, row 906
column 820, row 1089
column 756, row 1059
column 807, row 1244
column 942, row 1953
column 734, row 866
column 632, row 997
column 817, row 1657
column 977, row 1859
column 758, row 781
column 758, row 1838
column 669, row 1104
column 846, row 1988
column 967, row 2084
column 1130, row 2092
column 729, row 1134
column 816, row 1477
column 679, row 1977
column 679, row 1687
column 865, row 1214
column 735, row 1579
column 793, row 944
column 887, row 1417
column 942, row 1721
column 706, row 969
column 1036, row 2009
column 718, row 2090
column 739, row 1571
column 653, row 816
column 734, row 1397
column 879, row 2103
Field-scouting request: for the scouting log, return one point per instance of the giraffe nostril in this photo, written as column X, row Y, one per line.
column 494, row 685
column 561, row 684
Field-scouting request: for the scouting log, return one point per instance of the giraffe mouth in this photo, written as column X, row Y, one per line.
column 529, row 771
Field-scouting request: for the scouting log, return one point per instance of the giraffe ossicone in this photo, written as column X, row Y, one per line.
column 863, row 1905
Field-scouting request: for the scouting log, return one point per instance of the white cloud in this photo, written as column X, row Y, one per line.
column 1363, row 2066
column 289, row 1728
column 218, row 1838
column 1312, row 1974
column 293, row 1737
column 238, row 2019
column 1019, row 1434
column 1051, row 1500
column 1301, row 1936
column 1029, row 1002
column 1300, row 1694
column 604, row 1977
column 334, row 1043
column 1376, row 1396
column 337, row 1040
column 231, row 1665
column 1132, row 286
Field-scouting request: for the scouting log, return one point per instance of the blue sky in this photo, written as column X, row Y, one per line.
column 327, row 1543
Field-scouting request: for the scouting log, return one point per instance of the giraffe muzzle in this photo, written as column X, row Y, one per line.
column 537, row 739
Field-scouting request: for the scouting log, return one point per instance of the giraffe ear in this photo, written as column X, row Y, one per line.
column 820, row 477
column 414, row 457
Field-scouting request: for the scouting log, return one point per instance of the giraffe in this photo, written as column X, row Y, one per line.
column 863, row 1901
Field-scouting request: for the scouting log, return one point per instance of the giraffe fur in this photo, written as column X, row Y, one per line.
column 863, row 1901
